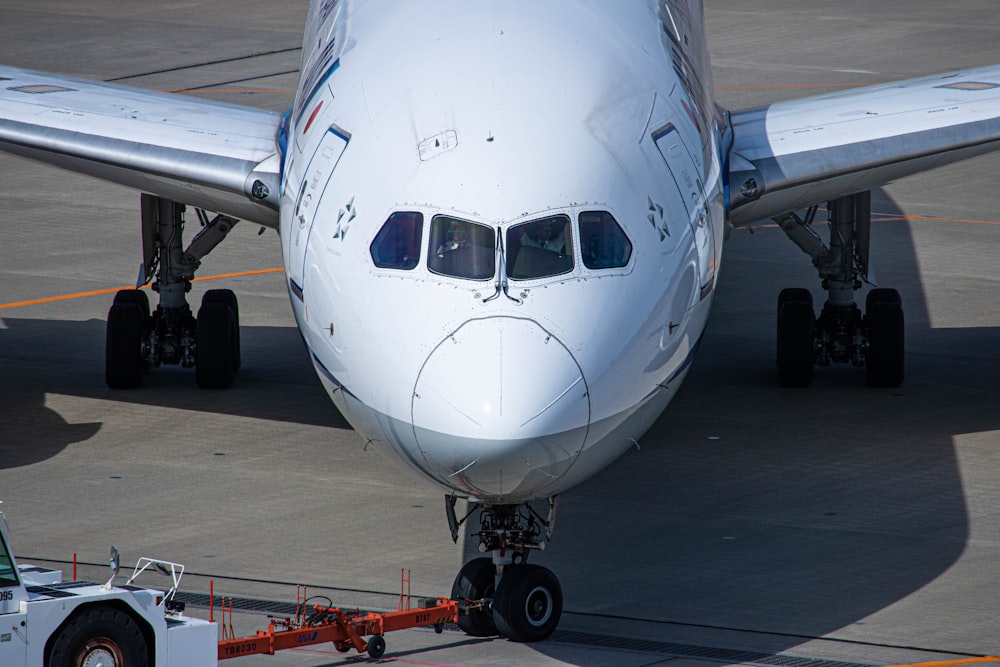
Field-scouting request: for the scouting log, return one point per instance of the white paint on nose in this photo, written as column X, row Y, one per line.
column 500, row 407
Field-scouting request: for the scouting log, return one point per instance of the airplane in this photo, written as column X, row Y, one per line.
column 501, row 230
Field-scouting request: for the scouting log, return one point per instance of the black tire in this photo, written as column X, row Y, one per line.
column 476, row 581
column 214, row 361
column 134, row 296
column 228, row 297
column 796, row 348
column 123, row 362
column 528, row 603
column 796, row 294
column 882, row 295
column 376, row 646
column 886, row 339
column 139, row 298
column 98, row 633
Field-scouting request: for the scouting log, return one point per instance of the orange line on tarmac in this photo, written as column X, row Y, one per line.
column 927, row 218
column 112, row 290
column 952, row 663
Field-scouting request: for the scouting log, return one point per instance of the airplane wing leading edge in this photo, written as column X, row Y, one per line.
column 791, row 155
column 216, row 156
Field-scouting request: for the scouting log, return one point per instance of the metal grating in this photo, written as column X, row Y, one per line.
column 239, row 603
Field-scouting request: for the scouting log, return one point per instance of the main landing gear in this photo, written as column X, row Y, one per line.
column 841, row 333
column 504, row 595
column 138, row 340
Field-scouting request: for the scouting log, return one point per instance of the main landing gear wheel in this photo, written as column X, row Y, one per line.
column 124, row 362
column 217, row 349
column 886, row 338
column 528, row 603
column 99, row 636
column 796, row 337
column 137, row 341
column 228, row 297
column 476, row 581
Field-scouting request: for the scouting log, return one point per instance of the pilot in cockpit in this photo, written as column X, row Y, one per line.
column 543, row 235
column 454, row 239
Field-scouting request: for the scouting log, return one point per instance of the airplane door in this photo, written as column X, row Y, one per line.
column 682, row 168
column 319, row 172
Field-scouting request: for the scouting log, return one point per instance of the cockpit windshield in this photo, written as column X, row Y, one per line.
column 461, row 249
column 540, row 248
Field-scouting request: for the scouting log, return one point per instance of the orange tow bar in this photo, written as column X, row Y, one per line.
column 346, row 629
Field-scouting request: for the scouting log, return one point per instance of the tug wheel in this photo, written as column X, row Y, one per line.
column 100, row 635
column 376, row 646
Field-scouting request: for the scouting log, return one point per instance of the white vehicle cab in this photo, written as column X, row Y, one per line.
column 46, row 621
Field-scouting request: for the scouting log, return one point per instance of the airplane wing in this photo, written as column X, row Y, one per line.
column 219, row 157
column 791, row 155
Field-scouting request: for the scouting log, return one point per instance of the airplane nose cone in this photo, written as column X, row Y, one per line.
column 500, row 409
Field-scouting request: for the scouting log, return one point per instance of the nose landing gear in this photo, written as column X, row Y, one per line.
column 504, row 594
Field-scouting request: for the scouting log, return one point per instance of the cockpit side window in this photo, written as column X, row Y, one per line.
column 397, row 244
column 540, row 248
column 461, row 249
column 603, row 241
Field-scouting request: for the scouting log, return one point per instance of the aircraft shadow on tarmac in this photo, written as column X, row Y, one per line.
column 799, row 511
column 748, row 506
column 42, row 357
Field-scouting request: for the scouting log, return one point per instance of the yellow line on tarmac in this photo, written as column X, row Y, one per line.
column 112, row 290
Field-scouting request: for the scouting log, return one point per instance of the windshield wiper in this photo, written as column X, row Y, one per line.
column 502, row 284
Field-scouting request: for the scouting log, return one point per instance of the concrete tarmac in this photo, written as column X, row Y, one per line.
column 755, row 524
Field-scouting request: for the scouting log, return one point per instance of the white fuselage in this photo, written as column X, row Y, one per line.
column 502, row 388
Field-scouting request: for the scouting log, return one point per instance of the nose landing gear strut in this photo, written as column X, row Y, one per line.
column 504, row 594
